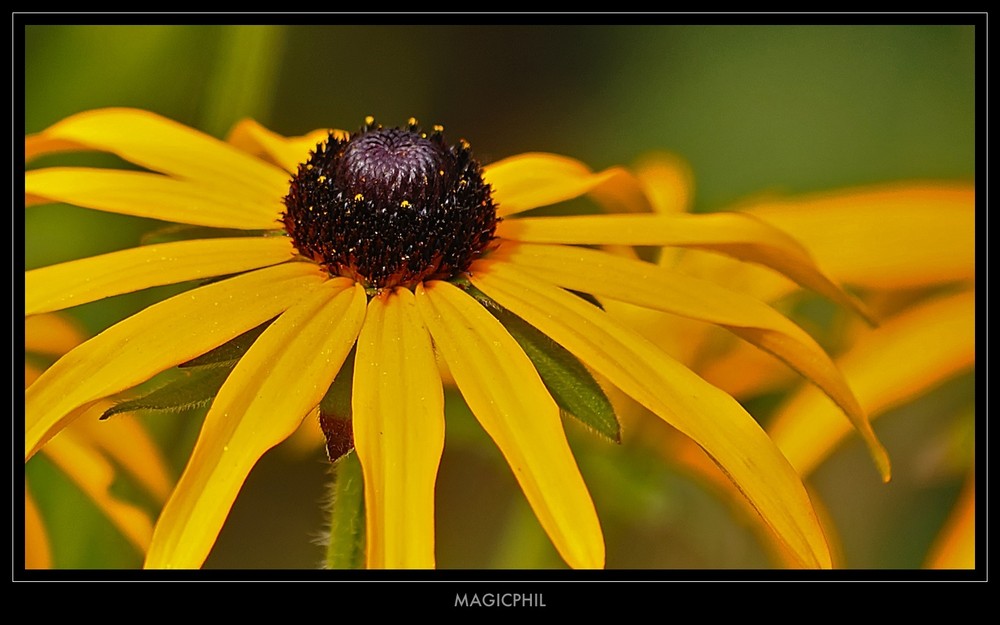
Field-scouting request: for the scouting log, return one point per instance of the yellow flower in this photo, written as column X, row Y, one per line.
column 910, row 248
column 375, row 240
column 90, row 454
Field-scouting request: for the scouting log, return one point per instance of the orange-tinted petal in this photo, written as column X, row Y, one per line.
column 710, row 417
column 651, row 286
column 667, row 181
column 895, row 363
column 154, row 196
column 510, row 401
column 145, row 344
column 283, row 376
column 51, row 334
column 398, row 408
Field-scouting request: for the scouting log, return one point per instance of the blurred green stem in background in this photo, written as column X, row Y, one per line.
column 243, row 80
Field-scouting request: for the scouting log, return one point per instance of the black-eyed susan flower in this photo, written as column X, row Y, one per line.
column 397, row 244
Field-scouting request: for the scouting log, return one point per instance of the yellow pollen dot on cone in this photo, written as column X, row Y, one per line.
column 359, row 197
column 369, row 120
column 322, row 179
column 404, row 204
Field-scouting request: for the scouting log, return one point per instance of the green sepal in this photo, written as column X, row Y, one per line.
column 345, row 547
column 229, row 353
column 575, row 390
column 193, row 389
column 335, row 412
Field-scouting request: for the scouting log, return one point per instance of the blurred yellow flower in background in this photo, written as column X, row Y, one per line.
column 329, row 293
column 91, row 454
column 909, row 248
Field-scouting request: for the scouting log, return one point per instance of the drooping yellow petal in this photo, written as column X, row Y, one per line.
column 81, row 281
column 668, row 182
column 285, row 152
column 707, row 415
column 743, row 371
column 145, row 344
column 398, row 408
column 283, row 376
column 51, row 334
column 955, row 546
column 504, row 391
column 155, row 196
column 89, row 470
column 897, row 237
column 126, row 441
column 904, row 358
column 165, row 146
column 734, row 234
column 37, row 554
column 649, row 285
column 531, row 180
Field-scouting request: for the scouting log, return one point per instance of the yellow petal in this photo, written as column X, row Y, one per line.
column 40, row 145
column 51, row 334
column 743, row 371
column 895, row 363
column 656, row 287
column 155, row 196
column 283, row 376
column 89, row 470
column 531, row 180
column 707, row 415
column 168, row 147
column 398, row 408
column 37, row 554
column 897, row 237
column 508, row 398
column 738, row 235
column 285, row 152
column 955, row 546
column 81, row 281
column 157, row 338
column 127, row 442
column 667, row 181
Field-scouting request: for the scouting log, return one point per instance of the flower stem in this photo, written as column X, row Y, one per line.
column 346, row 546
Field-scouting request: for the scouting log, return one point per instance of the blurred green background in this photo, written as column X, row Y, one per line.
column 752, row 109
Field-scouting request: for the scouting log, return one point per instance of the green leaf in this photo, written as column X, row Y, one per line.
column 228, row 354
column 335, row 412
column 193, row 389
column 346, row 546
column 569, row 382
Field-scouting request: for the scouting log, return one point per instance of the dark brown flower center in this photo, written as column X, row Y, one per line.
column 390, row 206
